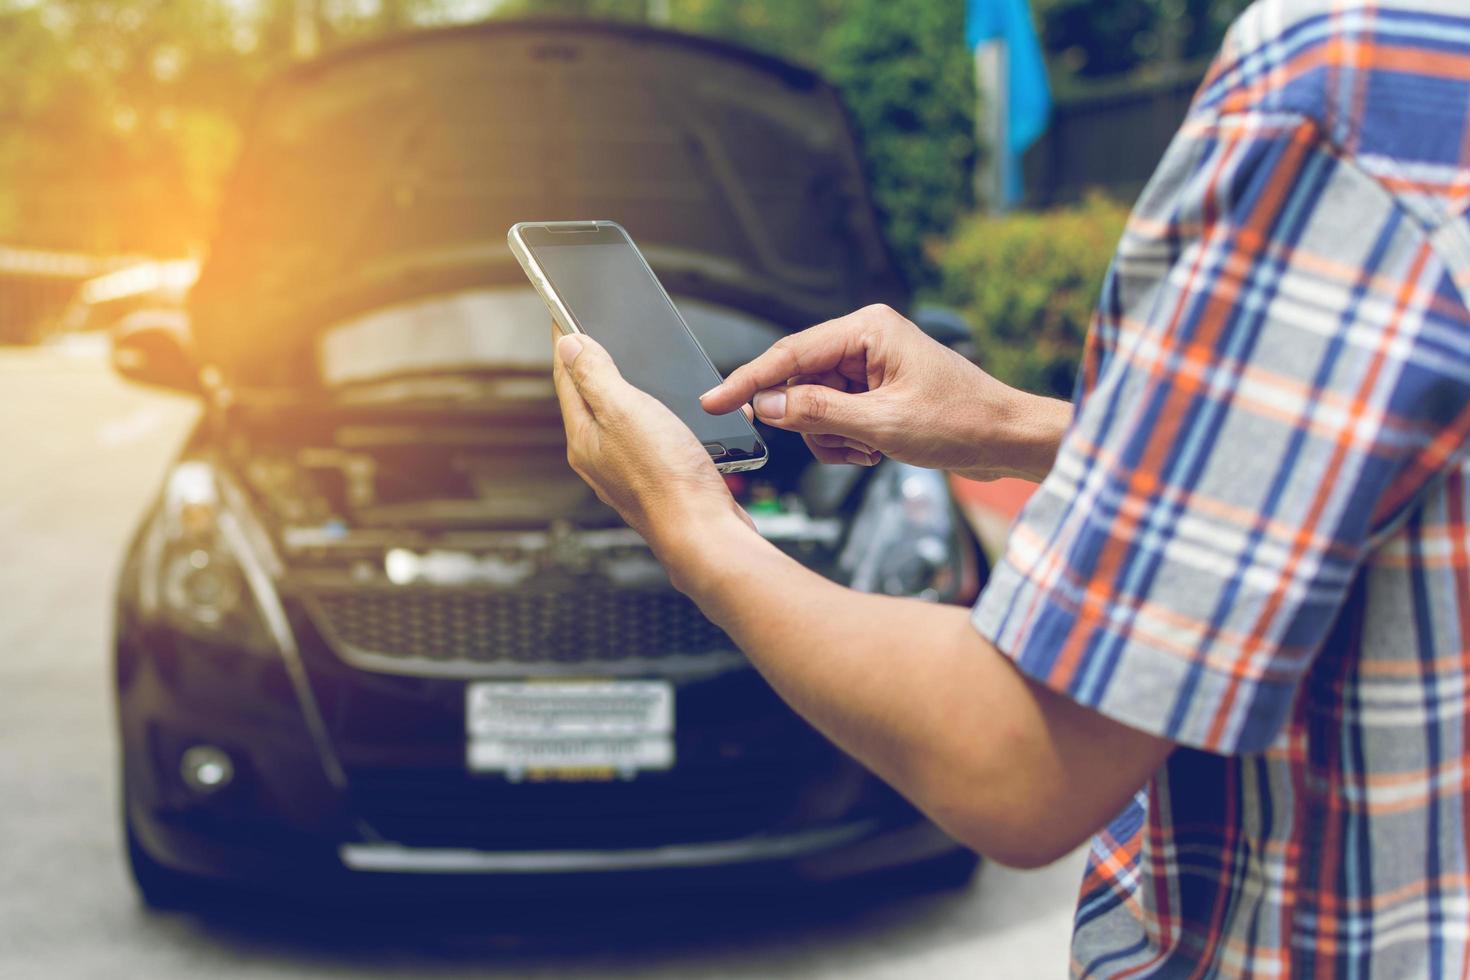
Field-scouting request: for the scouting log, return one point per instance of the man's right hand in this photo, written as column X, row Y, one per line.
column 873, row 383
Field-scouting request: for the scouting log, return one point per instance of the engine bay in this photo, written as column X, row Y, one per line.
column 488, row 502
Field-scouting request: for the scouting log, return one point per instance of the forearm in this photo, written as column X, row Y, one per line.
column 908, row 688
column 842, row 659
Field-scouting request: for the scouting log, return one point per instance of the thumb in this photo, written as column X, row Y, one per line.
column 820, row 410
column 591, row 370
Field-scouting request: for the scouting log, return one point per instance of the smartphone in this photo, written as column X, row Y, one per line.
column 594, row 281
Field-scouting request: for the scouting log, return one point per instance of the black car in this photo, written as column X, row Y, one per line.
column 374, row 630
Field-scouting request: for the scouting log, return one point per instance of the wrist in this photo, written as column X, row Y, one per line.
column 696, row 547
column 1036, row 431
column 1020, row 434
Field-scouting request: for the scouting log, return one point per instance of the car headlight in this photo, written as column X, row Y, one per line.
column 907, row 539
column 194, row 581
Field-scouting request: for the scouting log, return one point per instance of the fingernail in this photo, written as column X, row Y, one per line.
column 711, row 392
column 770, row 404
column 857, row 458
column 568, row 348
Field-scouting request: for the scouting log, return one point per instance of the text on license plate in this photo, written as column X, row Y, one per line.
column 555, row 728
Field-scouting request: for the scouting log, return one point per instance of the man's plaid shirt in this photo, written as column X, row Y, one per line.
column 1255, row 538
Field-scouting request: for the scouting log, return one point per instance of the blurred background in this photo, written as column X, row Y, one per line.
column 123, row 117
column 1001, row 148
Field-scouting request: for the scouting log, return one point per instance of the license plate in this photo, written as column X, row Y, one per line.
column 581, row 729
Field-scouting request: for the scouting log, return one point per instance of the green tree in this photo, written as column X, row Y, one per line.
column 1092, row 38
column 907, row 76
column 122, row 116
column 118, row 121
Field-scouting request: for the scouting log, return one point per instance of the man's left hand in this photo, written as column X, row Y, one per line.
column 635, row 453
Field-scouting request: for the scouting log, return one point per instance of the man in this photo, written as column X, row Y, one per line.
column 1231, row 632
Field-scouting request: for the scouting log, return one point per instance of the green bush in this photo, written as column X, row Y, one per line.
column 908, row 78
column 1028, row 283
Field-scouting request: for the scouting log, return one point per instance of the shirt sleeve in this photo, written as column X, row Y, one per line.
column 1279, row 364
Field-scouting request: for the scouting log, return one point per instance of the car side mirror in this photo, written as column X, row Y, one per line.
column 945, row 325
column 155, row 348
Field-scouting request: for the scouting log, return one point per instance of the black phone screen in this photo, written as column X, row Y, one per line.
column 616, row 301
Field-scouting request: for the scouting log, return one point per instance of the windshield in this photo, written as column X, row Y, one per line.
column 498, row 330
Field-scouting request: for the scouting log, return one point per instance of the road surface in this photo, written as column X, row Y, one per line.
column 80, row 454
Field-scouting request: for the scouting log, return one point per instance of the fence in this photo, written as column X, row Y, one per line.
column 1110, row 139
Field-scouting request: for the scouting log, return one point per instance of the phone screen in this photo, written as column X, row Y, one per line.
column 616, row 301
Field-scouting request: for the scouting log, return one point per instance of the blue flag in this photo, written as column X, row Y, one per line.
column 1028, row 96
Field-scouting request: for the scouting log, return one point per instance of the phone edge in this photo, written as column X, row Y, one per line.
column 560, row 315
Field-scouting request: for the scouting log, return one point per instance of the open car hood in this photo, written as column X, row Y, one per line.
column 393, row 170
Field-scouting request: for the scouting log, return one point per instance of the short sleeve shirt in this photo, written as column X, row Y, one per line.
column 1255, row 540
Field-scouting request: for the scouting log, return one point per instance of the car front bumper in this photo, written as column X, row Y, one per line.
column 307, row 866
column 284, row 824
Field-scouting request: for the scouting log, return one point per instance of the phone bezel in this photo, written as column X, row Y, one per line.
column 525, row 235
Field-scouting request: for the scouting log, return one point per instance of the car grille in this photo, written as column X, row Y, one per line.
column 482, row 627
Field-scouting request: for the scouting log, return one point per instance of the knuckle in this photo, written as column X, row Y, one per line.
column 809, row 406
column 788, row 351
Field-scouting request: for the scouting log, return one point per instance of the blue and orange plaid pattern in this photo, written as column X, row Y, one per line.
column 1255, row 539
